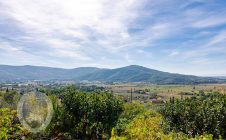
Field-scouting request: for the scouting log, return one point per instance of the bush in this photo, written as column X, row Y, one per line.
column 10, row 128
column 147, row 126
column 130, row 111
column 92, row 114
column 196, row 115
column 61, row 123
column 9, row 99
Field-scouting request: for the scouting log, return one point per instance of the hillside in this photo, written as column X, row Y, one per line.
column 131, row 73
column 20, row 73
column 136, row 73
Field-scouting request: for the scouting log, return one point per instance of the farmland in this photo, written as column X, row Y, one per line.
column 164, row 92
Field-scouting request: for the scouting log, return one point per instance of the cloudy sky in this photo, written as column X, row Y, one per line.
column 180, row 36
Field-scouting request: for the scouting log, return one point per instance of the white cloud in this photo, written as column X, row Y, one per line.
column 68, row 26
column 219, row 38
column 73, row 16
column 204, row 18
column 174, row 53
column 209, row 21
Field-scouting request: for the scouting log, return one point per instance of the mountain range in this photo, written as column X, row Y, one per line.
column 132, row 73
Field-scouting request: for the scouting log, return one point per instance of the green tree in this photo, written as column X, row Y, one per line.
column 93, row 114
column 196, row 115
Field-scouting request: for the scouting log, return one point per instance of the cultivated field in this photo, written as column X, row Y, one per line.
column 147, row 92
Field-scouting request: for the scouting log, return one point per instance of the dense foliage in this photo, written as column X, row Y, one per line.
column 145, row 124
column 101, row 115
column 10, row 128
column 129, row 113
column 89, row 115
column 196, row 115
column 9, row 99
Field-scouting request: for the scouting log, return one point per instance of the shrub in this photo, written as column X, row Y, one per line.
column 10, row 128
column 147, row 126
column 93, row 114
column 130, row 111
column 196, row 115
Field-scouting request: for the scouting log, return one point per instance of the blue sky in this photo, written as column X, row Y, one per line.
column 180, row 36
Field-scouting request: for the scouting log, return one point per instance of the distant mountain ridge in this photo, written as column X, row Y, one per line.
column 132, row 73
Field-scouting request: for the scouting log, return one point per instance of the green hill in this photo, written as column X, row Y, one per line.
column 132, row 73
